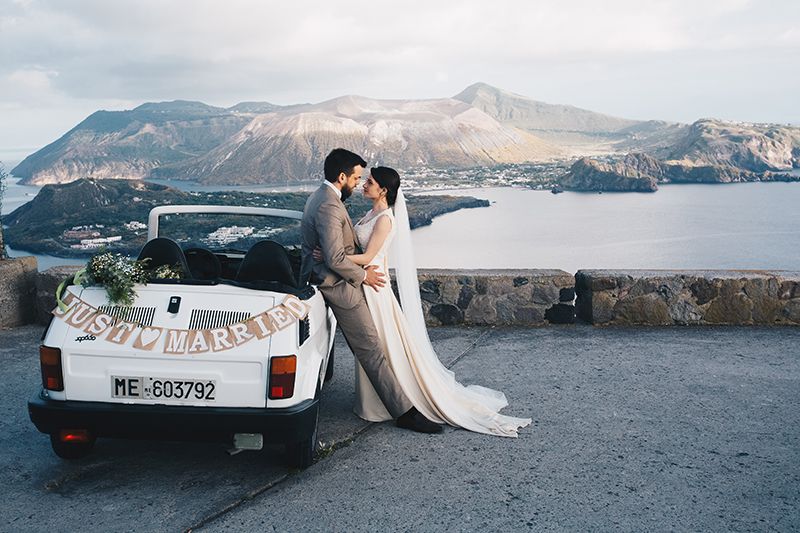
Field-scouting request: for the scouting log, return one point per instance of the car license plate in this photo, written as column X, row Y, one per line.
column 148, row 388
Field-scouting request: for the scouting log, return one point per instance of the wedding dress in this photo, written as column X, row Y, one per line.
column 430, row 386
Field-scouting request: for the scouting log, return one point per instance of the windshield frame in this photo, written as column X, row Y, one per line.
column 156, row 212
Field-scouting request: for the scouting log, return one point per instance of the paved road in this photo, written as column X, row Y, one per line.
column 634, row 429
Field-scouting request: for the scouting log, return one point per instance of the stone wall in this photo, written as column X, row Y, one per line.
column 661, row 298
column 17, row 288
column 497, row 297
column 46, row 284
column 541, row 297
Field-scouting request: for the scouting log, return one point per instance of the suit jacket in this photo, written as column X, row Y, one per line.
column 326, row 224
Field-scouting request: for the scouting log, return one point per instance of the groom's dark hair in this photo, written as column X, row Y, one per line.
column 341, row 160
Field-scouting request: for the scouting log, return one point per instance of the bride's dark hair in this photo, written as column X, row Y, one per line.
column 389, row 179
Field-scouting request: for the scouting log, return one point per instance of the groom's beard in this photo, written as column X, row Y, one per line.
column 346, row 192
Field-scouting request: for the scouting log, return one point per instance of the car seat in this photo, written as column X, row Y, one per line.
column 267, row 261
column 162, row 251
column 203, row 264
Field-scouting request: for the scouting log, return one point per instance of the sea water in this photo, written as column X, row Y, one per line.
column 703, row 226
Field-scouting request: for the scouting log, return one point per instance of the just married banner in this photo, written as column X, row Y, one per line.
column 98, row 325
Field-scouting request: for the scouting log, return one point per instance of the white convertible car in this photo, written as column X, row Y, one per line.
column 236, row 351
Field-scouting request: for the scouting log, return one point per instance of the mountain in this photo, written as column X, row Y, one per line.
column 533, row 115
column 254, row 107
column 291, row 146
column 259, row 142
column 578, row 130
column 129, row 144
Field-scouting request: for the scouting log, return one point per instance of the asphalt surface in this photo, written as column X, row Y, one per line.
column 687, row 429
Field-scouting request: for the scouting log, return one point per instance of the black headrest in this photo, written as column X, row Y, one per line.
column 203, row 264
column 162, row 251
column 267, row 261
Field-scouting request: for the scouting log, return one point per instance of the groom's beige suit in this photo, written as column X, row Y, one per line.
column 326, row 224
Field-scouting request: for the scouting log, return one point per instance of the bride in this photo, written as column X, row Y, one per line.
column 383, row 233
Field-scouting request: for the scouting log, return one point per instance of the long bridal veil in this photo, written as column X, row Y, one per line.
column 401, row 257
column 483, row 416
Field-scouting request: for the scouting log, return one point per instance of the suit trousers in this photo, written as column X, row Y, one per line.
column 359, row 332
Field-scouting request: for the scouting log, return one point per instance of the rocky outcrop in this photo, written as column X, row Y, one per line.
column 641, row 172
column 634, row 173
column 755, row 148
column 663, row 298
column 497, row 297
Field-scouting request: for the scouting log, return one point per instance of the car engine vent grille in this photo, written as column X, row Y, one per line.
column 137, row 315
column 209, row 318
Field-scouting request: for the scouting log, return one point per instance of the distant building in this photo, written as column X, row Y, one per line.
column 134, row 225
column 78, row 234
column 91, row 244
column 101, row 240
column 227, row 234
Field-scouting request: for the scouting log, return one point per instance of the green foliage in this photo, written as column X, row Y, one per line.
column 119, row 274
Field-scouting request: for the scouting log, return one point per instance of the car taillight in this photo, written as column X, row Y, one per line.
column 74, row 435
column 50, row 359
column 282, row 370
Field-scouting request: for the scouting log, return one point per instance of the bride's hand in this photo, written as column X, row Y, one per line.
column 317, row 254
column 375, row 278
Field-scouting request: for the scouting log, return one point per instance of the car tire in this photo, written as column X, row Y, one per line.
column 329, row 368
column 71, row 450
column 301, row 454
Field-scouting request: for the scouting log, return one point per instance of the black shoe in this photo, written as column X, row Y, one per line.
column 416, row 421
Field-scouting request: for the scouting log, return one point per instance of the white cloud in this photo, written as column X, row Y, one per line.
column 32, row 80
column 87, row 54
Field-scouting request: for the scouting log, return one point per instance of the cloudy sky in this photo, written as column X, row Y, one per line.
column 676, row 60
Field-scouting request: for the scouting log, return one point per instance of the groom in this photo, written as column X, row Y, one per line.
column 327, row 225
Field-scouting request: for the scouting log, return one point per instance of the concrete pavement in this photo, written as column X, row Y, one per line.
column 634, row 429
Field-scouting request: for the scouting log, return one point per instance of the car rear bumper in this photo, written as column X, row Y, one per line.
column 174, row 422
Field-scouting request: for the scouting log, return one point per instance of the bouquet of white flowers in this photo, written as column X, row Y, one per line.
column 118, row 274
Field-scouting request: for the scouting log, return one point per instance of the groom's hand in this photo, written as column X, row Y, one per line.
column 375, row 278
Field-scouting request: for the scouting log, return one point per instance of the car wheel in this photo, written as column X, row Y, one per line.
column 301, row 454
column 71, row 450
column 329, row 368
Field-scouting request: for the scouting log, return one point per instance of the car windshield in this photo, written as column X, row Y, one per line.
column 227, row 233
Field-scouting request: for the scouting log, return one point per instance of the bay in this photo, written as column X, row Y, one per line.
column 717, row 226
column 45, row 261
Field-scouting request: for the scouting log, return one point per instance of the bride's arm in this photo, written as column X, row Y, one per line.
column 379, row 233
